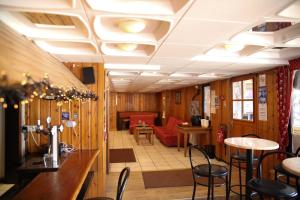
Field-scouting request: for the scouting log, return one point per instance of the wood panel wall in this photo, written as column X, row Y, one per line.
column 20, row 55
column 266, row 129
column 131, row 102
column 89, row 132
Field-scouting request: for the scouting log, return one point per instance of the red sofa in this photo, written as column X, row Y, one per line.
column 135, row 119
column 168, row 134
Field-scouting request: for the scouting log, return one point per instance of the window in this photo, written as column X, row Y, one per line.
column 206, row 102
column 296, row 112
column 242, row 97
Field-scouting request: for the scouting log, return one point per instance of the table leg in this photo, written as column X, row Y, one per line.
column 249, row 172
column 178, row 141
column 152, row 138
column 185, row 144
column 138, row 137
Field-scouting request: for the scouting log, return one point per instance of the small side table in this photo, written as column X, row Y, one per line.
column 143, row 129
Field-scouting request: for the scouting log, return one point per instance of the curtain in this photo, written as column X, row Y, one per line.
column 284, row 98
column 284, row 90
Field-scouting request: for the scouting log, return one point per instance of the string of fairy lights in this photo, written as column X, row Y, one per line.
column 28, row 89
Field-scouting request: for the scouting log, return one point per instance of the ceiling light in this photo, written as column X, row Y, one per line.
column 132, row 25
column 132, row 66
column 210, row 75
column 116, row 73
column 151, row 74
column 234, row 47
column 181, row 75
column 127, row 46
column 248, row 60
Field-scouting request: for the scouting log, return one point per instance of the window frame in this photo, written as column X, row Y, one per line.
column 242, row 100
column 203, row 100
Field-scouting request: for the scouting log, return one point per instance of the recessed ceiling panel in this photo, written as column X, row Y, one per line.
column 146, row 7
column 47, row 25
column 127, row 49
column 235, row 10
column 44, row 4
column 121, row 28
column 67, row 48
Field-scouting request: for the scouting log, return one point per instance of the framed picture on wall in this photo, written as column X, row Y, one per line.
column 178, row 97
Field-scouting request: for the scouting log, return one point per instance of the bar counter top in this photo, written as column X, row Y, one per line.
column 63, row 184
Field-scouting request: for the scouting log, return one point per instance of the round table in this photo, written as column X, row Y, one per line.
column 292, row 165
column 250, row 144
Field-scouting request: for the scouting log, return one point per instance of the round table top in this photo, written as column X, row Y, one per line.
column 292, row 165
column 251, row 143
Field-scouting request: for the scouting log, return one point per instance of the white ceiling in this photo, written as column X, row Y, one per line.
column 176, row 31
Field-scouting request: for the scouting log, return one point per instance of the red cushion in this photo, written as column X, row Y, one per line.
column 135, row 119
column 168, row 134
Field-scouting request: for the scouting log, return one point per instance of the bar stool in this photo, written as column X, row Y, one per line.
column 270, row 188
column 239, row 158
column 209, row 171
column 121, row 185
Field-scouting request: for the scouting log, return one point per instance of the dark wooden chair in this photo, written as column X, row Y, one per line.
column 271, row 188
column 239, row 158
column 209, row 171
column 123, row 178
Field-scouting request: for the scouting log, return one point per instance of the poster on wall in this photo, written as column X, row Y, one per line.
column 262, row 103
column 213, row 101
column 262, row 80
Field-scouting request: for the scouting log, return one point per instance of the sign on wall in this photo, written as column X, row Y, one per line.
column 262, row 98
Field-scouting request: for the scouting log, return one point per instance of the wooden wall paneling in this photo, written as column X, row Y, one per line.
column 131, row 102
column 34, row 115
column 20, row 55
column 76, row 131
column 102, row 145
column 44, row 113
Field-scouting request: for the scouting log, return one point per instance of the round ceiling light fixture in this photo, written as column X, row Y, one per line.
column 132, row 25
column 127, row 46
column 234, row 47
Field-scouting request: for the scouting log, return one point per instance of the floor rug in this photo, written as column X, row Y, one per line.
column 170, row 178
column 121, row 155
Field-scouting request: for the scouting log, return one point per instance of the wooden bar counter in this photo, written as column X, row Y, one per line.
column 63, row 184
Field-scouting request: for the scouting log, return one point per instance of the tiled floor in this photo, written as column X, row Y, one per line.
column 149, row 157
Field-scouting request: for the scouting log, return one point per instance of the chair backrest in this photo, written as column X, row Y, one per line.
column 203, row 152
column 122, row 182
column 259, row 168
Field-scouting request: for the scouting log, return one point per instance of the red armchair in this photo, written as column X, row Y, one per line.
column 168, row 134
column 135, row 119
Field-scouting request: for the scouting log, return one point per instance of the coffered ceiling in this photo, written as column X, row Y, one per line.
column 149, row 46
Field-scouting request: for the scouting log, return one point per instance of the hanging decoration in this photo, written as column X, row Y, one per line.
column 29, row 89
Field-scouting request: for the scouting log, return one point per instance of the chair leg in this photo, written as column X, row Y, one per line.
column 240, row 180
column 227, row 188
column 230, row 171
column 208, row 188
column 194, row 190
column 288, row 179
column 275, row 175
column 212, row 187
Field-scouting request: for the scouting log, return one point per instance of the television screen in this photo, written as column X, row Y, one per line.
column 88, row 76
